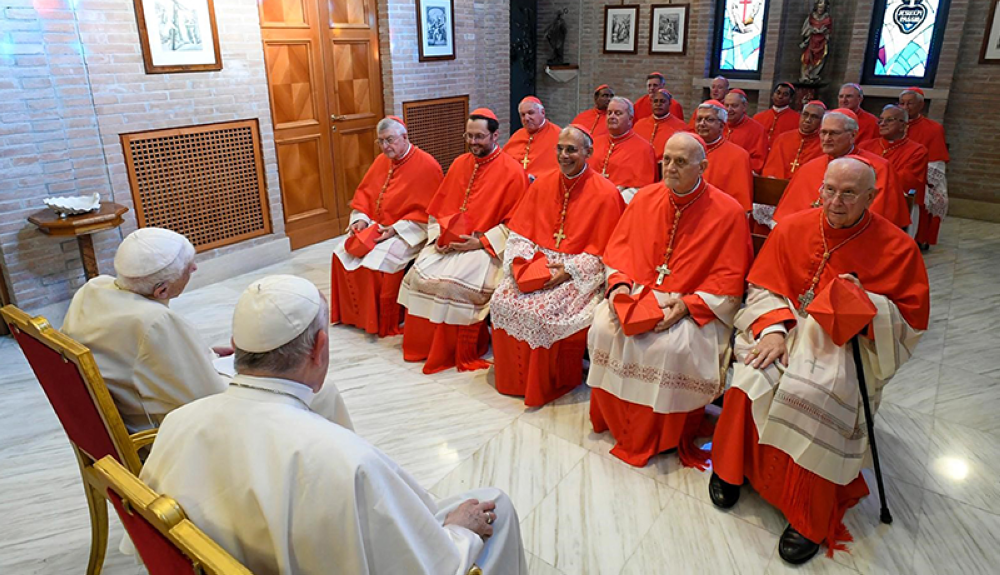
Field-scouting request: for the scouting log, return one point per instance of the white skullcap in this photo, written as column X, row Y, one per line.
column 273, row 311
column 147, row 251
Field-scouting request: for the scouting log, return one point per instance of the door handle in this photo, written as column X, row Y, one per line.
column 336, row 118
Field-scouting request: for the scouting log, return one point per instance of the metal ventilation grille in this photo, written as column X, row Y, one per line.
column 206, row 182
column 437, row 127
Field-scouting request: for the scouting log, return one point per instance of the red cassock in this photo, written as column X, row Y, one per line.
column 544, row 374
column 867, row 125
column 498, row 185
column 802, row 192
column 712, row 253
column 729, row 170
column 593, row 120
column 777, row 123
column 907, row 158
column 658, row 131
column 886, row 262
column 644, row 108
column 789, row 152
column 752, row 137
column 364, row 297
column 930, row 135
column 628, row 160
column 539, row 149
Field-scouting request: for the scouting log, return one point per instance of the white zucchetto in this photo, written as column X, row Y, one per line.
column 147, row 251
column 273, row 311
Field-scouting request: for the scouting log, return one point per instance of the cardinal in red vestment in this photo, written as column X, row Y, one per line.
column 621, row 155
column 792, row 150
column 780, row 117
column 837, row 139
column 907, row 158
column 797, row 432
column 689, row 244
column 540, row 336
column 447, row 291
column 933, row 204
column 661, row 124
column 717, row 91
column 655, row 82
column 850, row 98
column 533, row 144
column 393, row 196
column 596, row 118
column 728, row 164
column 744, row 131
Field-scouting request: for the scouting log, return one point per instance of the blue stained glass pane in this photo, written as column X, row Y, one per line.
column 742, row 27
column 906, row 34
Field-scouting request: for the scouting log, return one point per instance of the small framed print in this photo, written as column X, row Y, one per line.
column 621, row 24
column 178, row 36
column 668, row 28
column 990, row 53
column 436, row 29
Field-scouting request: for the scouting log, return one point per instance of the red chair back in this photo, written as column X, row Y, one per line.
column 160, row 556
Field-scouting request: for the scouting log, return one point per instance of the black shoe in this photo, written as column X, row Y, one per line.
column 795, row 548
column 724, row 495
column 924, row 247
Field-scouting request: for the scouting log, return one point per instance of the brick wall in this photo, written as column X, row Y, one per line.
column 72, row 81
column 481, row 68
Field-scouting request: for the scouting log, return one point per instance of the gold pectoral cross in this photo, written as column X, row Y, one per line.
column 525, row 161
column 806, row 299
column 795, row 164
column 559, row 237
column 663, row 271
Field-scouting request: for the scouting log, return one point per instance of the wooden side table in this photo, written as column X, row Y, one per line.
column 108, row 217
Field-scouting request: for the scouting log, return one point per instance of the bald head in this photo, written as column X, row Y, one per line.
column 719, row 87
column 850, row 97
column 848, row 189
column 683, row 162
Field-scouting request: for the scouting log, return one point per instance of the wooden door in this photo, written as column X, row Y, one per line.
column 326, row 98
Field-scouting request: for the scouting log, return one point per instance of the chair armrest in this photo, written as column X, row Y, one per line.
column 143, row 438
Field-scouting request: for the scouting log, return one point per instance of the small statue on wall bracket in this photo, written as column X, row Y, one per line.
column 815, row 44
column 555, row 35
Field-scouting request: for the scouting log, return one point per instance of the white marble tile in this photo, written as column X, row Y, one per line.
column 819, row 565
column 538, row 567
column 964, row 464
column 595, row 518
column 969, row 399
column 915, row 386
column 903, row 438
column 879, row 548
column 523, row 461
column 687, row 538
column 569, row 418
column 931, row 344
column 479, row 385
column 956, row 538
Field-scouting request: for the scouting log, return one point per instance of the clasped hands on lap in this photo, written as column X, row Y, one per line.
column 358, row 226
column 674, row 309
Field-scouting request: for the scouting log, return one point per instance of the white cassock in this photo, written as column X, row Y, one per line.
column 286, row 492
column 453, row 288
column 389, row 256
column 812, row 409
column 152, row 359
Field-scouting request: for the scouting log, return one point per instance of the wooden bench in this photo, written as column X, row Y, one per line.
column 768, row 192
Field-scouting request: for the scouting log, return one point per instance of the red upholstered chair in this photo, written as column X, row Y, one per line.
column 165, row 538
column 71, row 381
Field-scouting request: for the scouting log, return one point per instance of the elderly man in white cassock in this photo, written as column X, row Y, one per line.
column 287, row 491
column 152, row 359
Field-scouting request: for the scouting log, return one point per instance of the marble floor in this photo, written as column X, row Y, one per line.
column 582, row 511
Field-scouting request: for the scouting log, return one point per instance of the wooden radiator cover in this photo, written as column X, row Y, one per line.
column 206, row 182
column 438, row 126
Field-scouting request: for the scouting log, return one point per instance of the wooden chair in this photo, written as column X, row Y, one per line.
column 165, row 538
column 768, row 192
column 74, row 386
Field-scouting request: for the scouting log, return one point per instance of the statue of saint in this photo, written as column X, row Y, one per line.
column 816, row 41
column 555, row 35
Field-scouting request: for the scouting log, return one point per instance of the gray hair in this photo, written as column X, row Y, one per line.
column 723, row 113
column 738, row 95
column 390, row 124
column 870, row 177
column 850, row 123
column 588, row 143
column 855, row 86
column 172, row 272
column 628, row 104
column 906, row 115
column 920, row 97
column 720, row 77
column 287, row 358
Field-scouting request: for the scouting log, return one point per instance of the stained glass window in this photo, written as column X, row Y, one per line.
column 905, row 41
column 740, row 26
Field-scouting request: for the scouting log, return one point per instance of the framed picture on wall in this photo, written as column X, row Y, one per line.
column 990, row 54
column 436, row 29
column 668, row 28
column 621, row 24
column 178, row 35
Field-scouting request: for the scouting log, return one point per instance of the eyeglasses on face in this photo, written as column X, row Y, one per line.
column 849, row 198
